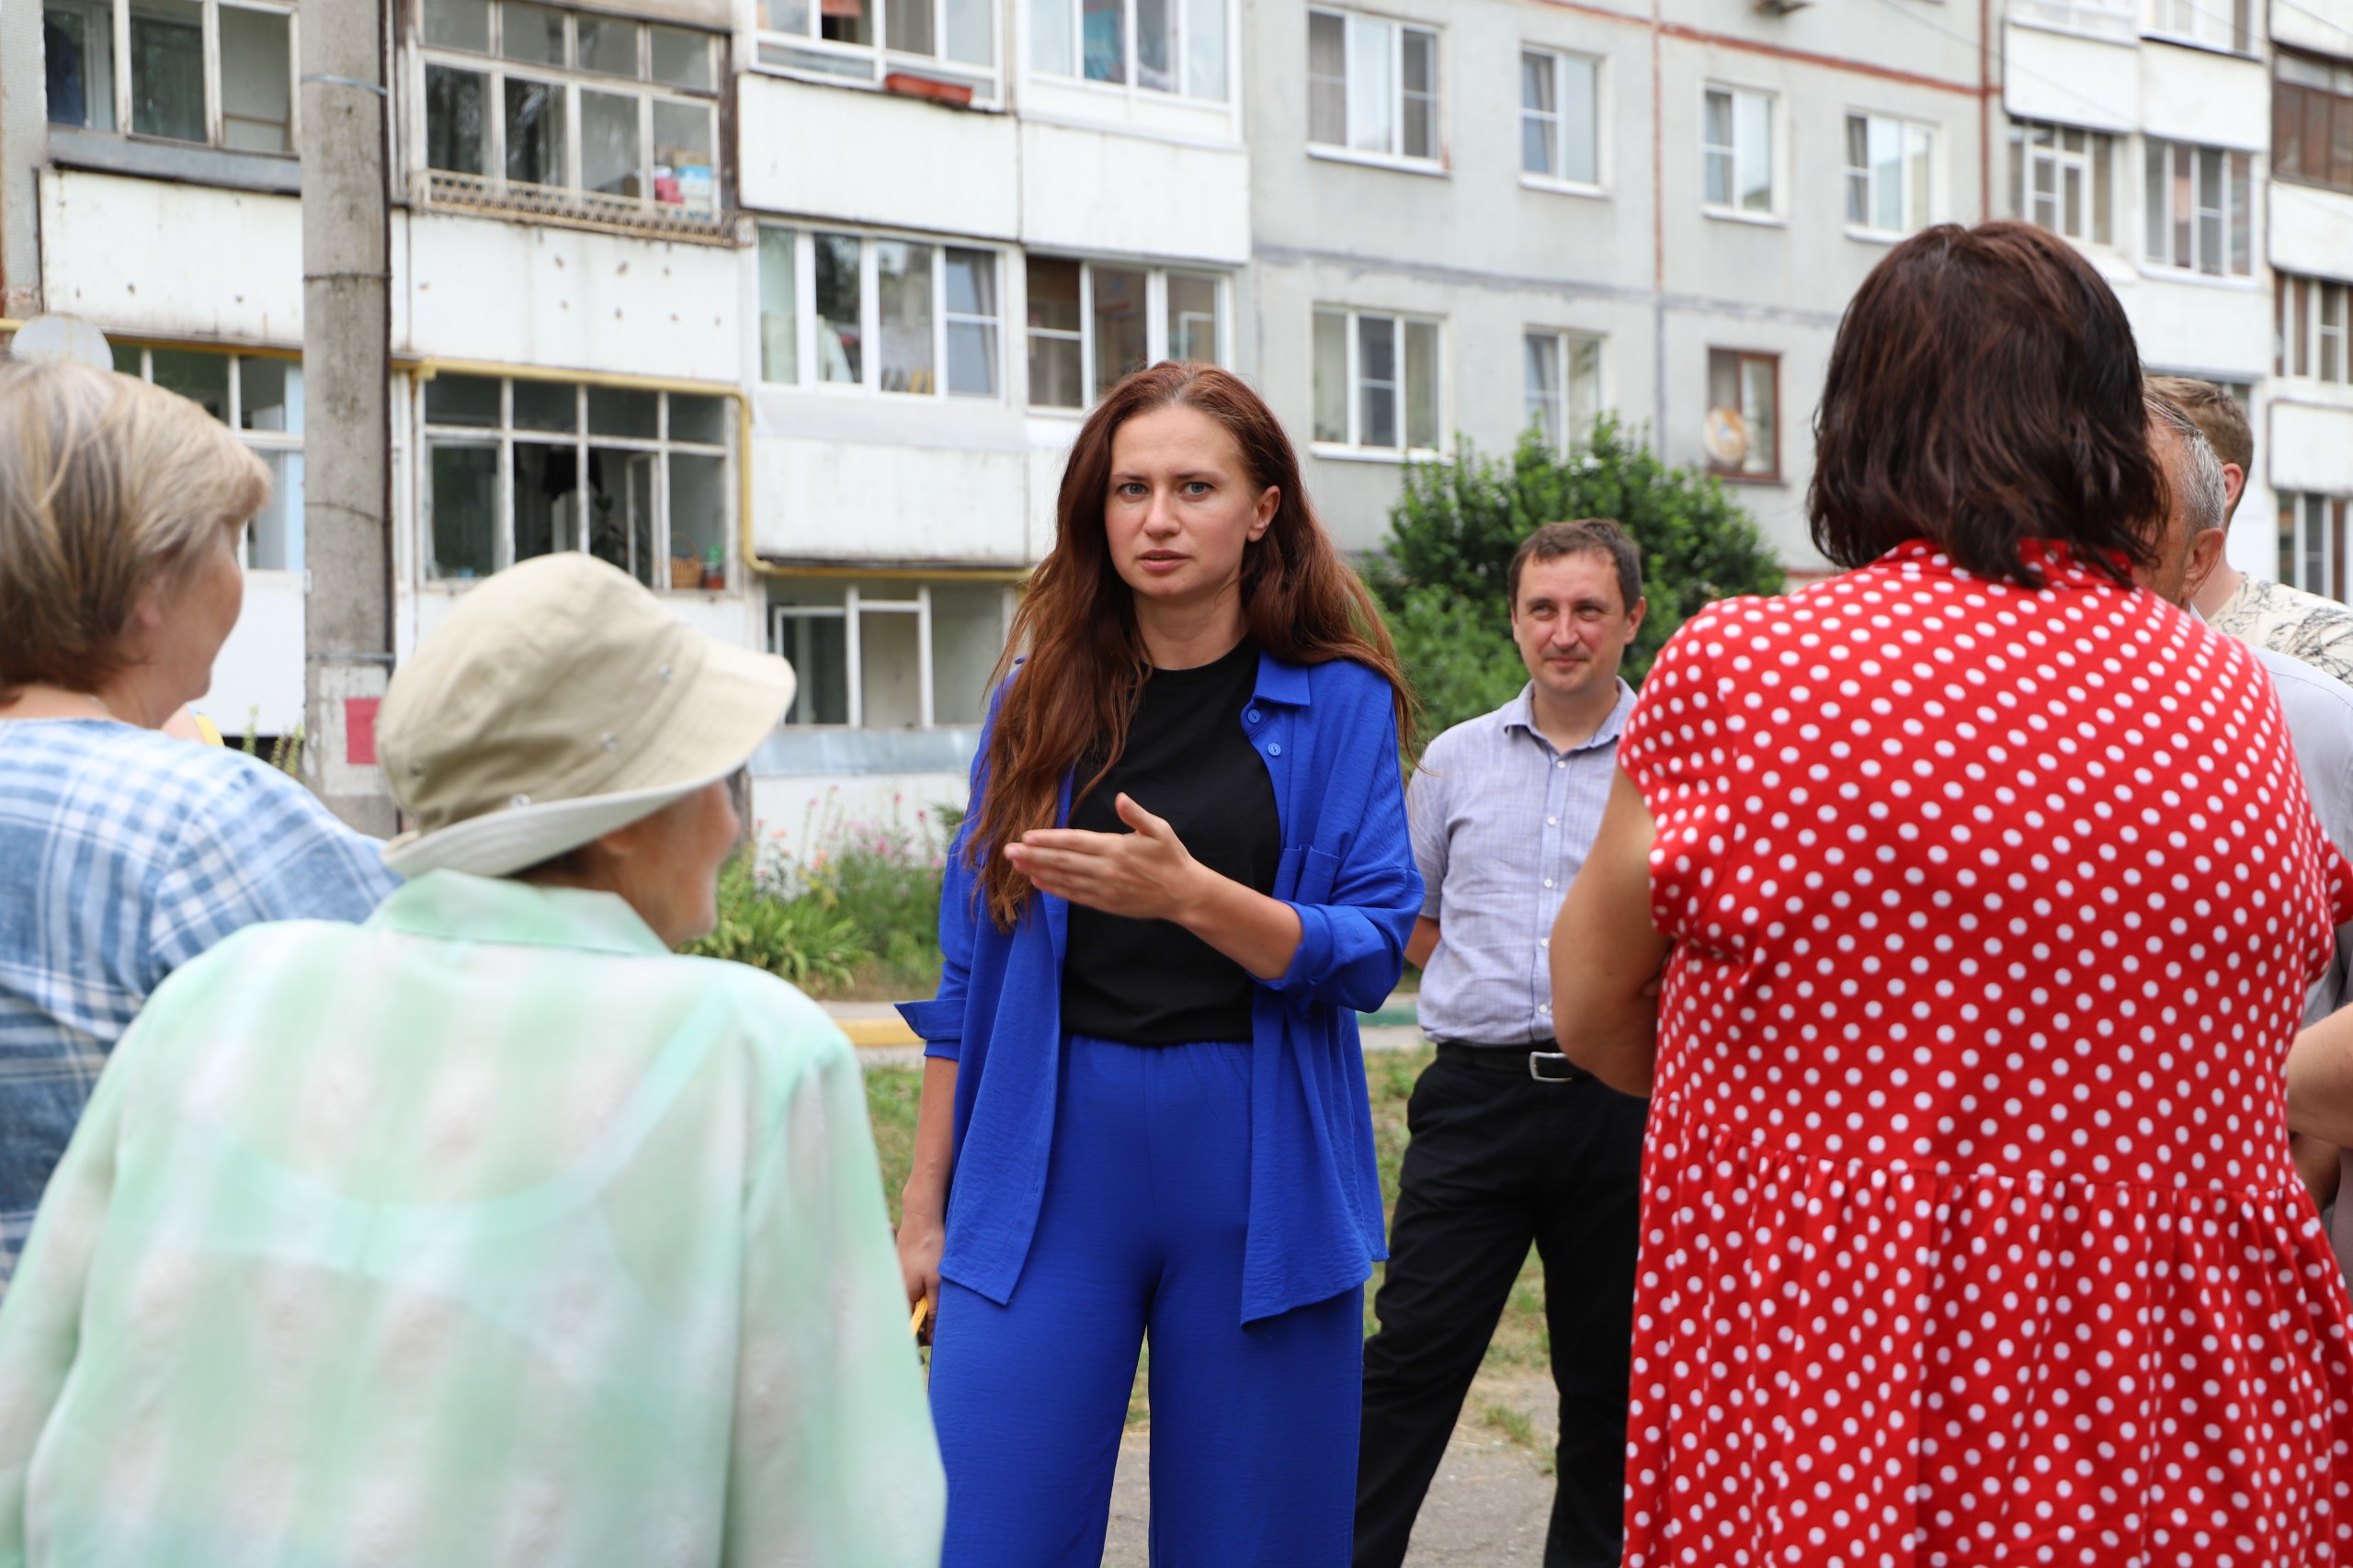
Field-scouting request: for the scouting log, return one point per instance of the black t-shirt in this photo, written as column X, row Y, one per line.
column 1151, row 982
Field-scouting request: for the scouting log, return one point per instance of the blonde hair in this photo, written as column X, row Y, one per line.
column 108, row 486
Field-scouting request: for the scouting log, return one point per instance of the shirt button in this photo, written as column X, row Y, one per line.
column 1274, row 748
column 1552, row 821
column 1543, row 941
column 1548, row 882
column 1560, row 762
column 1252, row 715
column 1544, row 1006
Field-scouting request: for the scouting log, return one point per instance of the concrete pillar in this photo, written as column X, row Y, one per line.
column 346, row 333
column 23, row 135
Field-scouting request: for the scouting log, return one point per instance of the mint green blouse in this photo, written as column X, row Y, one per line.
column 486, row 1232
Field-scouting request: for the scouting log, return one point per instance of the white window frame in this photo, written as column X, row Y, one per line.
column 869, row 311
column 1129, row 86
column 571, row 80
column 1731, row 151
column 2302, row 515
column 215, row 127
column 2303, row 337
column 811, row 56
column 270, row 442
column 1355, row 446
column 1156, row 347
column 1919, row 206
column 504, row 437
column 1355, row 23
column 2112, row 19
column 854, row 606
column 2160, row 169
column 1556, row 60
column 1576, row 435
column 2099, row 155
column 2222, row 25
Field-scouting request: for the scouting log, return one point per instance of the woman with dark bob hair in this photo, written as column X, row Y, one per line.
column 1184, row 870
column 1986, row 893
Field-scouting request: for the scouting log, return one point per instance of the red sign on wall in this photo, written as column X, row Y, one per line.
column 360, row 730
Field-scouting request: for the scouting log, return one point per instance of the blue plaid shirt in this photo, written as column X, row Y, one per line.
column 123, row 854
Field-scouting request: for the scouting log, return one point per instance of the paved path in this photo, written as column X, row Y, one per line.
column 1487, row 1509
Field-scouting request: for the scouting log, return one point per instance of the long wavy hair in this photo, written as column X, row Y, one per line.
column 1085, row 664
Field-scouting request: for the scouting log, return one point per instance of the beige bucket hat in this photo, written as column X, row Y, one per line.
column 560, row 700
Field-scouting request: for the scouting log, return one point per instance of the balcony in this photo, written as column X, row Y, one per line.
column 578, row 208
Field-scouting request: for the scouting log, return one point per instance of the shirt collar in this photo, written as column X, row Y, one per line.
column 1280, row 682
column 1519, row 713
column 458, row 906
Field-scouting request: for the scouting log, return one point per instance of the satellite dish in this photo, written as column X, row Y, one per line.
column 61, row 340
column 1727, row 436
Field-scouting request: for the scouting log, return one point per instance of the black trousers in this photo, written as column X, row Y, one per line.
column 1497, row 1160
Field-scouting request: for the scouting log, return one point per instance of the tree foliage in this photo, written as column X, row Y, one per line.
column 1440, row 574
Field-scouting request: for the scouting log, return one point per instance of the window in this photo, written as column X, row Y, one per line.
column 2311, row 321
column 1560, row 117
column 2312, row 119
column 886, row 315
column 571, row 113
column 1371, row 86
column 2217, row 23
column 874, row 654
column 235, row 91
column 1376, row 381
column 1176, row 47
column 1745, row 413
column 515, row 469
column 1563, row 376
column 867, row 40
column 259, row 397
column 1091, row 323
column 2062, row 178
column 2311, row 544
column 2198, row 205
column 2098, row 19
column 1889, row 165
column 1736, row 150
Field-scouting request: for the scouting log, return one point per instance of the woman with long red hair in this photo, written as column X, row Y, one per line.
column 1184, row 872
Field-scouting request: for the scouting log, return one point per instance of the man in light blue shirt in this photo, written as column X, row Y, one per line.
column 1512, row 1145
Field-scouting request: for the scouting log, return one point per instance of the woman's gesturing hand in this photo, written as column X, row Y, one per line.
column 1145, row 875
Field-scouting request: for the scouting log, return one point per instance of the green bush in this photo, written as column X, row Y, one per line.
column 1440, row 572
column 797, row 939
column 855, row 908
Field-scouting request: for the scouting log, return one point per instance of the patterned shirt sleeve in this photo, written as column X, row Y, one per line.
column 41, row 1317
column 1660, row 754
column 259, row 847
column 833, row 1457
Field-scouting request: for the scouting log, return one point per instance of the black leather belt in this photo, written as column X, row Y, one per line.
column 1544, row 1066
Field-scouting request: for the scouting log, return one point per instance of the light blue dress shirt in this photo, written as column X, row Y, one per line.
column 1502, row 821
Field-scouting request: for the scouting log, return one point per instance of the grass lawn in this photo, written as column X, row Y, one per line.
column 1520, row 1344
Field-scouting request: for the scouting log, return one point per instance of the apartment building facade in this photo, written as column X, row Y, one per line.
column 792, row 306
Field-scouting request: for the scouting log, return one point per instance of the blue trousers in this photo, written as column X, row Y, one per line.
column 1254, row 1429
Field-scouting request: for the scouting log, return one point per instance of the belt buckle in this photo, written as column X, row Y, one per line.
column 1536, row 1070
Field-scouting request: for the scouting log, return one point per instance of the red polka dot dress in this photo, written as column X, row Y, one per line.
column 1969, row 1235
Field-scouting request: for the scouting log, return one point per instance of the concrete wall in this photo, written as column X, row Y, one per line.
column 532, row 294
column 1640, row 263
column 150, row 258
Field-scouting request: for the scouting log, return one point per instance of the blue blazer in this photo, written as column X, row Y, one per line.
column 1329, row 737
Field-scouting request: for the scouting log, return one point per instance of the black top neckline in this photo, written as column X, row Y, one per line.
column 1216, row 669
